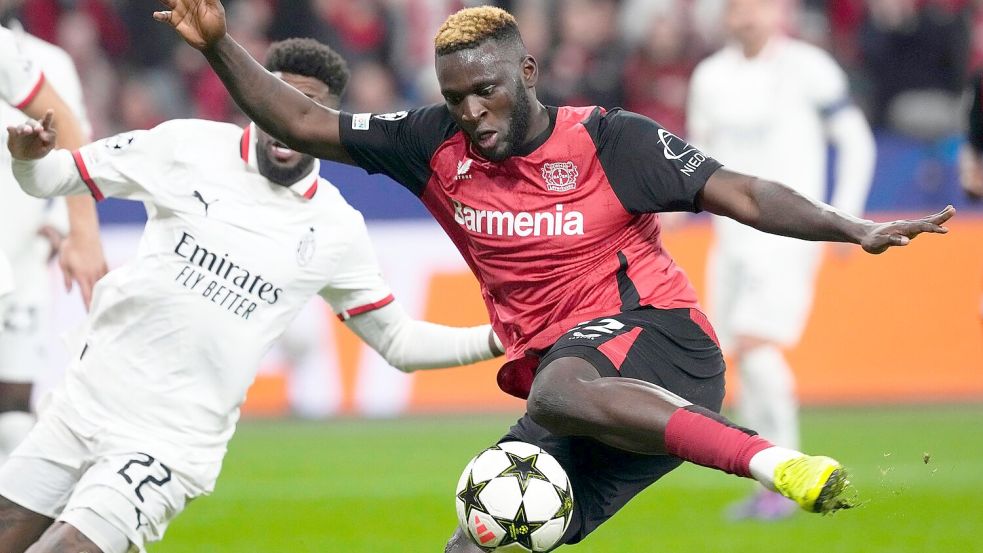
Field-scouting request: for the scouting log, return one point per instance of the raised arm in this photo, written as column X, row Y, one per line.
column 278, row 108
column 777, row 209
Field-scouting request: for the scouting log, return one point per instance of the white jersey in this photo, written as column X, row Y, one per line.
column 764, row 116
column 20, row 80
column 226, row 261
column 21, row 215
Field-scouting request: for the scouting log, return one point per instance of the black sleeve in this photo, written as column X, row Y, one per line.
column 398, row 144
column 975, row 136
column 650, row 169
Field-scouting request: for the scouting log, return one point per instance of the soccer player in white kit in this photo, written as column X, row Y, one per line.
column 767, row 104
column 241, row 232
column 32, row 229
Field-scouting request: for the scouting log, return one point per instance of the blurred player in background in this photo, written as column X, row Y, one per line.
column 555, row 211
column 32, row 230
column 242, row 232
column 766, row 105
column 971, row 153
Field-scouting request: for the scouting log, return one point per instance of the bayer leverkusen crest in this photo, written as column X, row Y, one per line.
column 560, row 176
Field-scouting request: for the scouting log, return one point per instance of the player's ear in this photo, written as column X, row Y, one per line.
column 530, row 71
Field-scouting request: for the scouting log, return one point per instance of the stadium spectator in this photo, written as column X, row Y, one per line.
column 915, row 60
column 492, row 164
column 658, row 72
column 768, row 105
column 372, row 90
column 587, row 64
column 79, row 36
column 242, row 233
column 971, row 152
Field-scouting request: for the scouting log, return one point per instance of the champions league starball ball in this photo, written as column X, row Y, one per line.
column 514, row 497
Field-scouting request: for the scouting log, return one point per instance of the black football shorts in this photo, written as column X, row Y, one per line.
column 675, row 349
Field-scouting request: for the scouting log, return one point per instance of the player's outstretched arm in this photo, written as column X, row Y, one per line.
column 777, row 209
column 278, row 108
column 412, row 345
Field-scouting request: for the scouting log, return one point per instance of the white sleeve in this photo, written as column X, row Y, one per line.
column 131, row 165
column 697, row 124
column 20, row 76
column 411, row 345
column 51, row 176
column 856, row 154
column 847, row 130
column 357, row 285
column 826, row 83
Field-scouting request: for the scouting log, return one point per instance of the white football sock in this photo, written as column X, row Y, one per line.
column 764, row 462
column 14, row 426
column 768, row 404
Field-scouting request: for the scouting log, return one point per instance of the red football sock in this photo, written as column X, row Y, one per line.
column 700, row 436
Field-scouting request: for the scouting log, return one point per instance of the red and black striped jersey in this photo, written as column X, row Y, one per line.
column 561, row 233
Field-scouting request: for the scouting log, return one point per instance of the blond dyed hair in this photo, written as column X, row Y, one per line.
column 470, row 27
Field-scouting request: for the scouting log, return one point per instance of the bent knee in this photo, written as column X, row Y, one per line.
column 460, row 543
column 557, row 397
column 15, row 397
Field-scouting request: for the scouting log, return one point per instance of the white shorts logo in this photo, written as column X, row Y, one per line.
column 394, row 116
column 360, row 121
column 561, row 176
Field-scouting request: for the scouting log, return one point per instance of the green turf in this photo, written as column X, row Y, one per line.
column 387, row 486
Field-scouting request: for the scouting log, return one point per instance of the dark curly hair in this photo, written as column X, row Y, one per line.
column 310, row 58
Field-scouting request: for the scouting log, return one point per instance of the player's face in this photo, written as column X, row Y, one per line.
column 751, row 22
column 277, row 162
column 488, row 91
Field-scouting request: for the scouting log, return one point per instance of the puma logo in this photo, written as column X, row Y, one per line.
column 202, row 200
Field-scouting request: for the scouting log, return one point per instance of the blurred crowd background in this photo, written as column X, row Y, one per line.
column 632, row 53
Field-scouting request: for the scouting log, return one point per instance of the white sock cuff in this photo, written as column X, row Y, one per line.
column 764, row 463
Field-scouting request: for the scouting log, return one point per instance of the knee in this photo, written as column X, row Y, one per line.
column 557, row 395
column 15, row 397
column 459, row 543
column 546, row 406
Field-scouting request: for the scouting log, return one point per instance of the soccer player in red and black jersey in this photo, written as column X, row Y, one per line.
column 555, row 210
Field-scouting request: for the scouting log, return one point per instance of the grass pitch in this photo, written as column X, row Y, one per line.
column 388, row 486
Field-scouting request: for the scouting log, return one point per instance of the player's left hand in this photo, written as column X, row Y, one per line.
column 32, row 140
column 881, row 236
column 82, row 261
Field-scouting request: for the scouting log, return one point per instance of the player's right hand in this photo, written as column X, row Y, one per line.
column 201, row 23
column 32, row 140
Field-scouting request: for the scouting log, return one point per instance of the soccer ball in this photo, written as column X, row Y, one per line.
column 514, row 497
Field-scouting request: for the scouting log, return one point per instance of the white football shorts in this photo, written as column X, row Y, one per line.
column 763, row 293
column 64, row 475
